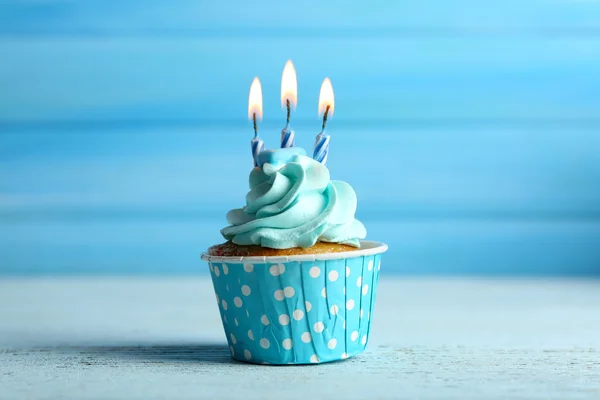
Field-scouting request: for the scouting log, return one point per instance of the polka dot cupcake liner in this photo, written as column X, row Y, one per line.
column 300, row 309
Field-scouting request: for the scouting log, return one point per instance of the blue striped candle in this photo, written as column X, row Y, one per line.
column 321, row 148
column 287, row 137
column 326, row 106
column 254, row 112
column 289, row 98
column 257, row 146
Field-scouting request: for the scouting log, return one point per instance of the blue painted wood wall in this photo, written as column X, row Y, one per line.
column 469, row 129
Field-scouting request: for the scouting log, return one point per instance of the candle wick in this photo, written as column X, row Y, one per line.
column 287, row 104
column 325, row 117
column 255, row 127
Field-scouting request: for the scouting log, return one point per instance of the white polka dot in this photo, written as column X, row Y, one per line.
column 308, row 306
column 334, row 309
column 364, row 340
column 298, row 315
column 236, row 322
column 286, row 344
column 350, row 304
column 324, row 292
column 247, row 314
column 217, row 271
column 217, row 296
column 331, row 344
column 284, row 319
column 247, row 354
column 250, row 334
column 225, row 318
column 239, row 281
column 279, row 295
column 315, row 272
column 314, row 359
column 306, row 337
column 265, row 320
column 224, row 304
column 359, row 281
column 233, row 338
column 289, row 291
column 231, row 350
column 370, row 267
column 365, row 289
column 225, row 269
column 319, row 327
column 248, row 267
column 347, row 271
column 354, row 336
column 361, row 313
column 333, row 275
column 246, row 290
column 277, row 269
column 344, row 356
column 264, row 343
column 237, row 301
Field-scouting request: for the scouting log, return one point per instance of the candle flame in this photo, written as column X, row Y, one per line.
column 289, row 85
column 326, row 98
column 255, row 100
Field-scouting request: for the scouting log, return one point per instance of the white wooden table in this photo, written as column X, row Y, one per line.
column 161, row 338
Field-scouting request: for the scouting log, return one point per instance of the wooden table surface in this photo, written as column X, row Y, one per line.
column 161, row 338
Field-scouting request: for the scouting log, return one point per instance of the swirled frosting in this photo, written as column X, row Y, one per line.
column 293, row 203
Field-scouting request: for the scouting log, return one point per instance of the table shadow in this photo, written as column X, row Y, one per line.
column 153, row 353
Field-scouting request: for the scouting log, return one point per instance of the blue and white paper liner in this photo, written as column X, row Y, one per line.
column 300, row 309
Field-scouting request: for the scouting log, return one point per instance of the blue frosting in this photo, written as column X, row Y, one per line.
column 293, row 203
column 279, row 156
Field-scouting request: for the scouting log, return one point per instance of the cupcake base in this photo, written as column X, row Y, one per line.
column 229, row 249
column 300, row 309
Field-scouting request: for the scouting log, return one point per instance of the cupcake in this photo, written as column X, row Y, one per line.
column 295, row 282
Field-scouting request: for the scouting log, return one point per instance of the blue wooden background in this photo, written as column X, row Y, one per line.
column 469, row 129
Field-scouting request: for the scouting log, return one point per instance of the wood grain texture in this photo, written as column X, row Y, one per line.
column 393, row 79
column 140, row 61
column 432, row 339
column 483, row 114
column 450, row 172
column 189, row 17
column 498, row 201
column 129, row 244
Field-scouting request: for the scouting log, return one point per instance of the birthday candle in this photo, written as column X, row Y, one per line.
column 289, row 98
column 254, row 113
column 257, row 146
column 321, row 148
column 326, row 106
column 288, row 137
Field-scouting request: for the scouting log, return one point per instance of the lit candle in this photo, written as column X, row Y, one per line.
column 326, row 105
column 289, row 98
column 254, row 112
